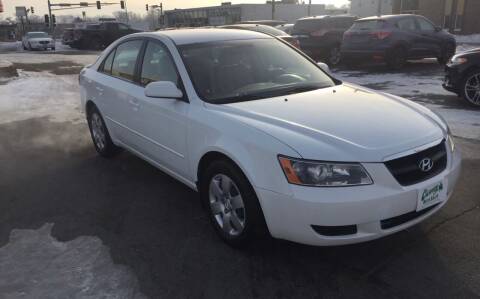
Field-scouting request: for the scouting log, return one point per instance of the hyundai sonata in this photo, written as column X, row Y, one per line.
column 270, row 141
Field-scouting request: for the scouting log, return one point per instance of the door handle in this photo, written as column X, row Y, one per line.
column 134, row 103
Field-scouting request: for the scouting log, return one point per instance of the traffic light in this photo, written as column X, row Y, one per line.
column 32, row 10
column 54, row 21
column 122, row 4
column 47, row 20
column 99, row 5
column 146, row 6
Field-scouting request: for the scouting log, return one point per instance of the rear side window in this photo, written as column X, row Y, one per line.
column 309, row 25
column 107, row 64
column 126, row 59
column 425, row 25
column 158, row 65
column 368, row 25
column 407, row 24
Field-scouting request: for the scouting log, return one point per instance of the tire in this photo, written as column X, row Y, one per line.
column 235, row 214
column 53, row 49
column 397, row 58
column 447, row 52
column 99, row 133
column 24, row 48
column 470, row 87
column 334, row 56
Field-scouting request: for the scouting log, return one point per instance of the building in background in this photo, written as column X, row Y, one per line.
column 368, row 8
column 227, row 13
column 457, row 16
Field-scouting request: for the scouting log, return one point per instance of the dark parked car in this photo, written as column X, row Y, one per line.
column 463, row 76
column 287, row 28
column 96, row 36
column 396, row 38
column 265, row 29
column 320, row 37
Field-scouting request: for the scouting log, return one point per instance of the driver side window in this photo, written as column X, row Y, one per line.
column 158, row 65
column 425, row 25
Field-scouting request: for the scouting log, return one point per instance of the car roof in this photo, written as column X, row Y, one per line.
column 205, row 35
column 34, row 32
column 386, row 17
column 328, row 17
column 257, row 27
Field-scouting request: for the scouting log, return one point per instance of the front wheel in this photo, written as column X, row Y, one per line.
column 470, row 87
column 447, row 53
column 334, row 56
column 231, row 203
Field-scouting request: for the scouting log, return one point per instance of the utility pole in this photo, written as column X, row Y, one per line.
column 126, row 12
column 50, row 23
column 309, row 7
column 273, row 9
column 379, row 8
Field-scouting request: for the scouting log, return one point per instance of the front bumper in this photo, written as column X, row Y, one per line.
column 42, row 46
column 291, row 217
column 452, row 80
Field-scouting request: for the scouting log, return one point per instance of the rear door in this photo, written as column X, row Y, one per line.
column 114, row 86
column 408, row 32
column 359, row 36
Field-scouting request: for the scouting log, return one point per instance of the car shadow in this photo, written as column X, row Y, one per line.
column 156, row 226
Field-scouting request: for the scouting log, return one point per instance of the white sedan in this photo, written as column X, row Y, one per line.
column 272, row 143
column 38, row 41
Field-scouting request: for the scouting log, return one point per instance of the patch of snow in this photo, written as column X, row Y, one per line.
column 398, row 84
column 39, row 95
column 36, row 265
column 462, row 123
column 468, row 39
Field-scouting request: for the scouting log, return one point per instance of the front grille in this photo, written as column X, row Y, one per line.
column 44, row 42
column 404, row 218
column 332, row 231
column 406, row 170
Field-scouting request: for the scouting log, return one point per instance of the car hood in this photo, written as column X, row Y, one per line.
column 341, row 123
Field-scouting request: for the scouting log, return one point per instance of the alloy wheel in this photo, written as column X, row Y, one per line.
column 226, row 204
column 472, row 89
column 98, row 131
column 334, row 56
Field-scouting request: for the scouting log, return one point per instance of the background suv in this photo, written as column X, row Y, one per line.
column 320, row 37
column 395, row 39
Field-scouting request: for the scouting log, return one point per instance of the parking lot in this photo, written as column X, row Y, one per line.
column 74, row 224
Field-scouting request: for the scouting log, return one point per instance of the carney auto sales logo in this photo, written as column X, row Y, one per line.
column 425, row 165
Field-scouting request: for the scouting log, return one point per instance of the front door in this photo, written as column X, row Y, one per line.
column 160, row 124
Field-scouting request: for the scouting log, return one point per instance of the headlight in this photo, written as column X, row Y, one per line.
column 457, row 60
column 323, row 174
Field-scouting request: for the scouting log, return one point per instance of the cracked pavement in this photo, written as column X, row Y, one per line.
column 152, row 228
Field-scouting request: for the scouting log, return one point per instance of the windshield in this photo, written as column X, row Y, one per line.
column 37, row 35
column 243, row 70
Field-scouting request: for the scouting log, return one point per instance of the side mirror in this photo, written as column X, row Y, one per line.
column 438, row 28
column 324, row 67
column 163, row 89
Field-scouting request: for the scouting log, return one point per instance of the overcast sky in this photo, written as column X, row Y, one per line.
column 137, row 6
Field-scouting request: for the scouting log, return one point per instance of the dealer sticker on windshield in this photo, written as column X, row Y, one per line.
column 431, row 195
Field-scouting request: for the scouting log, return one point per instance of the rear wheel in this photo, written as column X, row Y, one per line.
column 100, row 136
column 397, row 58
column 231, row 203
column 470, row 87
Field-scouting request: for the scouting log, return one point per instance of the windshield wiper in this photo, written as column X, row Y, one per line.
column 271, row 92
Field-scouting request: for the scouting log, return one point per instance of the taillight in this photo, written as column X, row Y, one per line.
column 381, row 34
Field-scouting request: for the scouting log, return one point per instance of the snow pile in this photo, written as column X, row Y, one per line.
column 468, row 39
column 41, row 94
column 35, row 265
column 398, row 84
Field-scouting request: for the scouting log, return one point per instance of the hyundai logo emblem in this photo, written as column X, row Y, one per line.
column 425, row 165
